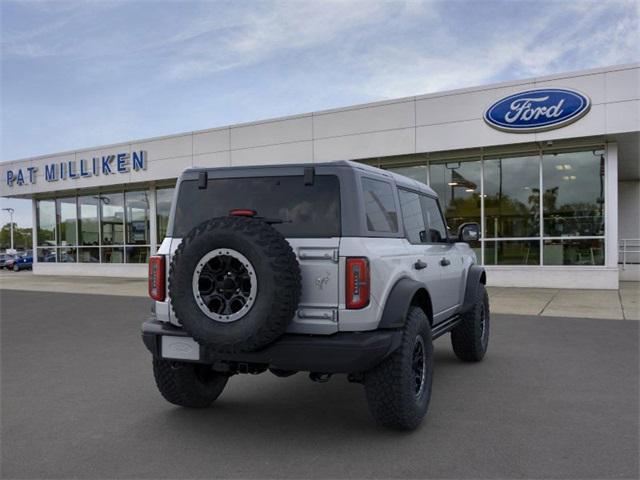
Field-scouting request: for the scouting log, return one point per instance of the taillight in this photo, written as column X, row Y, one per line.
column 156, row 277
column 358, row 282
column 242, row 212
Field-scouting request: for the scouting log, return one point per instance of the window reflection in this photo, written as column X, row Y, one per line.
column 412, row 217
column 67, row 221
column 112, row 218
column 417, row 172
column 512, row 197
column 380, row 209
column 46, row 218
column 573, row 198
column 89, row 255
column 137, row 215
column 458, row 187
column 512, row 252
column 46, row 255
column 163, row 208
column 88, row 220
column 112, row 254
column 572, row 251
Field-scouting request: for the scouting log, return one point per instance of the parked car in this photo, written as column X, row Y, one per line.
column 4, row 258
column 23, row 262
column 332, row 268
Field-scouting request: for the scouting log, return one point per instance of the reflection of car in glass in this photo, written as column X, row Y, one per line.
column 335, row 268
column 23, row 262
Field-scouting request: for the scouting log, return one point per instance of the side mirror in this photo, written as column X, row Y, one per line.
column 469, row 232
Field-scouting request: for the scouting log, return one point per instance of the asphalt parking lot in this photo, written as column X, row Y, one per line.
column 555, row 398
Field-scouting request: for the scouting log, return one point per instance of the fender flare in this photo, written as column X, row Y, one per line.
column 475, row 277
column 398, row 302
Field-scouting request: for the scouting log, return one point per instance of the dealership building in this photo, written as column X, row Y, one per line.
column 549, row 166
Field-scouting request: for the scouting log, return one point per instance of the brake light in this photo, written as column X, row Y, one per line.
column 358, row 282
column 157, row 277
column 242, row 212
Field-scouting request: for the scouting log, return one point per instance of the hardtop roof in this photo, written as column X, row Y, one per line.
column 400, row 180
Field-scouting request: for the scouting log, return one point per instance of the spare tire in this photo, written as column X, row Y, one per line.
column 234, row 284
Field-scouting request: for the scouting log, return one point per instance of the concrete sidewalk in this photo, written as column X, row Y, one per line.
column 606, row 304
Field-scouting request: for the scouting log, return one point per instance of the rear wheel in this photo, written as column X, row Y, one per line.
column 470, row 338
column 399, row 389
column 16, row 268
column 188, row 384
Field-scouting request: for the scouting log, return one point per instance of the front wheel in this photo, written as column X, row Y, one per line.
column 470, row 338
column 399, row 388
column 16, row 268
column 188, row 384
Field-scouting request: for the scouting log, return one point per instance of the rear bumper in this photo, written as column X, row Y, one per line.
column 344, row 352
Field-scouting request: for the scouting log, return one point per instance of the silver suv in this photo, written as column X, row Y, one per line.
column 327, row 268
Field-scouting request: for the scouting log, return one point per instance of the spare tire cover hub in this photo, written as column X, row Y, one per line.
column 225, row 285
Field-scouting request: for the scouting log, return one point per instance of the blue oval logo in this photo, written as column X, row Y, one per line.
column 537, row 110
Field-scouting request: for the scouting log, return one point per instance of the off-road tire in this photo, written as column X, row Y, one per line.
column 189, row 385
column 469, row 338
column 390, row 387
column 16, row 268
column 278, row 281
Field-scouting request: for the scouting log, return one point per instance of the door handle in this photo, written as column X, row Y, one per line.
column 445, row 261
column 419, row 265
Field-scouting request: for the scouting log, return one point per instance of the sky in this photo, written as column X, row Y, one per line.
column 87, row 73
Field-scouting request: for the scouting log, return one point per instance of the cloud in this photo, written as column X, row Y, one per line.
column 563, row 37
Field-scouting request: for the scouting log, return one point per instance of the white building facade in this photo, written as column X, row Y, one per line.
column 550, row 167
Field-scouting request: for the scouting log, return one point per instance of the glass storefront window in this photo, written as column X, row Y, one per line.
column 66, row 255
column 163, row 209
column 512, row 252
column 112, row 254
column 112, row 218
column 137, row 254
column 46, row 254
column 89, row 255
column 88, row 225
column 512, row 197
column 67, row 221
column 46, row 218
column 574, row 251
column 417, row 172
column 458, row 187
column 573, row 198
column 137, row 216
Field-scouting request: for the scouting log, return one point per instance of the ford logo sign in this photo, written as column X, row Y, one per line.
column 537, row 110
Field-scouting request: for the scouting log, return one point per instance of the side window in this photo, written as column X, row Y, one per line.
column 380, row 207
column 412, row 216
column 436, row 229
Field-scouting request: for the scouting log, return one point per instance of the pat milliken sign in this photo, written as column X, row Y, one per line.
column 537, row 110
column 105, row 165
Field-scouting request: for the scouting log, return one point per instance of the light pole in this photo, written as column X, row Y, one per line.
column 10, row 210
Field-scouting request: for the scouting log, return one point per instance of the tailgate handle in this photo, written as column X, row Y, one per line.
column 319, row 254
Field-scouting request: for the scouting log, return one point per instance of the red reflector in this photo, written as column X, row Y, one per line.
column 243, row 212
column 358, row 282
column 156, row 277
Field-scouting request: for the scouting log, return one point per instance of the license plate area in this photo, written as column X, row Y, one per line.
column 180, row 348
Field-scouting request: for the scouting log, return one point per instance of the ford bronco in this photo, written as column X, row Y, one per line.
column 326, row 268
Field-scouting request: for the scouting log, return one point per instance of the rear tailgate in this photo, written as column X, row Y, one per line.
column 318, row 309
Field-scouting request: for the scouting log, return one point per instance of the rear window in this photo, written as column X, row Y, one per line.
column 306, row 210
